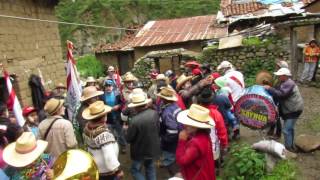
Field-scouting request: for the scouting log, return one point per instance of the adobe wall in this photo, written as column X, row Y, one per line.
column 26, row 46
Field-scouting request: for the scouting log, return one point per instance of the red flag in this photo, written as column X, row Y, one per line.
column 13, row 102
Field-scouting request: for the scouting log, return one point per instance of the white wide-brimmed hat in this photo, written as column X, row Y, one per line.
column 283, row 71
column 138, row 98
column 168, row 94
column 224, row 64
column 95, row 110
column 24, row 151
column 90, row 92
column 197, row 116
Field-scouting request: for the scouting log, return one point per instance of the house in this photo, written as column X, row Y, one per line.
column 189, row 33
column 312, row 6
column 29, row 46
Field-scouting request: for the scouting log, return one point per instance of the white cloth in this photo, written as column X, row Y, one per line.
column 308, row 71
column 270, row 146
column 236, row 89
column 215, row 143
column 105, row 151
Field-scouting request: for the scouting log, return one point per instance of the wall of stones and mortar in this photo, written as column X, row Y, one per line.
column 242, row 56
column 26, row 46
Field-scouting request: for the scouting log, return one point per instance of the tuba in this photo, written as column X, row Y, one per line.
column 75, row 164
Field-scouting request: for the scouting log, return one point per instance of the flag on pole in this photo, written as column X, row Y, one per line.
column 73, row 83
column 13, row 102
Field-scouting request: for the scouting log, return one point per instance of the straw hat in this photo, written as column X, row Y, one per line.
column 168, row 94
column 161, row 77
column 61, row 85
column 263, row 78
column 90, row 92
column 24, row 151
column 138, row 98
column 96, row 110
column 53, row 105
column 91, row 79
column 182, row 80
column 111, row 69
column 129, row 77
column 197, row 116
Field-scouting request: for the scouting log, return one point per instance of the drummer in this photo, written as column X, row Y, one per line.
column 291, row 104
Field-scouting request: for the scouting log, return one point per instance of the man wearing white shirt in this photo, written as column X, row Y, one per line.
column 235, row 80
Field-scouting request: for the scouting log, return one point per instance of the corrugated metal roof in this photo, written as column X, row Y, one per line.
column 240, row 9
column 177, row 30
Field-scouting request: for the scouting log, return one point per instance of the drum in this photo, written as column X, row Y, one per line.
column 256, row 109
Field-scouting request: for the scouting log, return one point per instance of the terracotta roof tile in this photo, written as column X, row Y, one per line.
column 240, row 9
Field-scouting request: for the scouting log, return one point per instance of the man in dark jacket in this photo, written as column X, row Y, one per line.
column 143, row 136
column 169, row 128
column 290, row 104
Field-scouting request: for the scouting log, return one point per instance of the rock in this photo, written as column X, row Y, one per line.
column 242, row 57
column 261, row 54
column 307, row 142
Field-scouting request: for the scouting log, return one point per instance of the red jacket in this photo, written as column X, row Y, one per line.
column 180, row 102
column 195, row 158
column 220, row 126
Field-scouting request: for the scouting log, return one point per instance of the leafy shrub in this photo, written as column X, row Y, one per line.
column 89, row 66
column 244, row 163
column 284, row 170
column 252, row 41
column 253, row 67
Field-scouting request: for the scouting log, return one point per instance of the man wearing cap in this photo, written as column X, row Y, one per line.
column 235, row 79
column 311, row 58
column 32, row 120
column 143, row 136
column 57, row 130
column 114, row 117
column 169, row 128
column 290, row 104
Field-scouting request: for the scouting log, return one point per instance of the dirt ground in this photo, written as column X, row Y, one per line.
column 309, row 123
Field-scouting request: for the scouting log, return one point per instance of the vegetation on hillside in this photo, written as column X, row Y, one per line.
column 123, row 13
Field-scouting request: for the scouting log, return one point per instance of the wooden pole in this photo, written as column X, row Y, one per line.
column 317, row 38
column 293, row 51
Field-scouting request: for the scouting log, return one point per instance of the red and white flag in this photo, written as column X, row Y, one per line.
column 13, row 102
column 73, row 82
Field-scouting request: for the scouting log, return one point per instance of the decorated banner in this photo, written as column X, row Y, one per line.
column 13, row 102
column 73, row 82
column 256, row 109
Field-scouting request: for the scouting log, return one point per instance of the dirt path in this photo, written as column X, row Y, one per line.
column 309, row 122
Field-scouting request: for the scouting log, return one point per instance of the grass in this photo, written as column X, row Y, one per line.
column 284, row 170
column 314, row 124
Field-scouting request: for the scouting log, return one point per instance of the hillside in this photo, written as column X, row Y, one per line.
column 120, row 13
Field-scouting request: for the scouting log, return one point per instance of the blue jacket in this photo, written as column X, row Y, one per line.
column 169, row 127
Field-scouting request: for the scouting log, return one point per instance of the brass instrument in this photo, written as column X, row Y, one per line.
column 75, row 164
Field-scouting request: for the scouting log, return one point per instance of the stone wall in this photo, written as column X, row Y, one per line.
column 28, row 45
column 265, row 51
column 255, row 55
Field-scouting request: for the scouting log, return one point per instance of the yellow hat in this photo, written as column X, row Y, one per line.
column 96, row 110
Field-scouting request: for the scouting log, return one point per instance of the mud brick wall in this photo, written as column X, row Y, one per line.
column 26, row 46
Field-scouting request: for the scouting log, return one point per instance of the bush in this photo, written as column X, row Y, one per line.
column 253, row 67
column 244, row 163
column 88, row 65
column 284, row 170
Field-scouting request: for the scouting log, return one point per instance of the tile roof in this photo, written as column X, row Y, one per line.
column 233, row 9
column 177, row 30
column 121, row 45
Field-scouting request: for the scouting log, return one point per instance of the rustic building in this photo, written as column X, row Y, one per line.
column 30, row 46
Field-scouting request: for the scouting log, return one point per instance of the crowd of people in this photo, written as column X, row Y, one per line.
column 184, row 121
